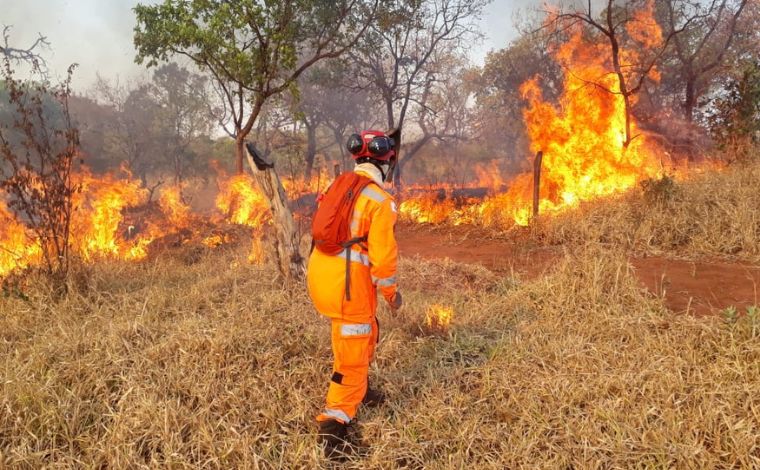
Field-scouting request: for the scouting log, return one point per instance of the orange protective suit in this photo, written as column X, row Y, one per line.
column 354, row 325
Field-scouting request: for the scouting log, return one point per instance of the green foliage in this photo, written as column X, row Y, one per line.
column 746, row 325
column 252, row 44
column 730, row 315
column 735, row 121
column 253, row 50
column 659, row 190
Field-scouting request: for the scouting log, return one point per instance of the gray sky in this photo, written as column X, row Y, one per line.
column 97, row 34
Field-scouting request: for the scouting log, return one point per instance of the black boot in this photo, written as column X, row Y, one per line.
column 373, row 397
column 333, row 435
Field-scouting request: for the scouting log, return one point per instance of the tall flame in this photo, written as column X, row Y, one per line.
column 98, row 212
column 242, row 203
column 17, row 246
column 583, row 138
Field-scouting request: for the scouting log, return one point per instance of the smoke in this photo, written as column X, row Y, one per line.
column 95, row 34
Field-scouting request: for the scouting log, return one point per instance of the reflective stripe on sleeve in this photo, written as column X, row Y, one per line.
column 373, row 194
column 337, row 414
column 355, row 329
column 356, row 257
column 355, row 225
column 384, row 282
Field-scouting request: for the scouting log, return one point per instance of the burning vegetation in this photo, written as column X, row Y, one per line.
column 592, row 147
column 562, row 354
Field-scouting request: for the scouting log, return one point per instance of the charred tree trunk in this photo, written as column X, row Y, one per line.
column 288, row 256
column 690, row 99
column 311, row 150
column 537, row 182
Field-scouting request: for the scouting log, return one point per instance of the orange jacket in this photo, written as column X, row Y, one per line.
column 373, row 265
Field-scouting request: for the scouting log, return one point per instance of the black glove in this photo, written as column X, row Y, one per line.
column 396, row 302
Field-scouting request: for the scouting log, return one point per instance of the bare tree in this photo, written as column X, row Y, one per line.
column 711, row 29
column 635, row 40
column 441, row 112
column 395, row 58
column 182, row 113
column 29, row 55
column 131, row 136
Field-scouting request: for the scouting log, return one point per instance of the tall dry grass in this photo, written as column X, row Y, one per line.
column 187, row 362
column 716, row 213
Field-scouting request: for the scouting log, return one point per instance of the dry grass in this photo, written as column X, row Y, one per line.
column 714, row 214
column 165, row 364
column 200, row 360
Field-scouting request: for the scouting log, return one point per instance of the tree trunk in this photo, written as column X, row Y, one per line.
column 289, row 260
column 239, row 153
column 311, row 151
column 690, row 99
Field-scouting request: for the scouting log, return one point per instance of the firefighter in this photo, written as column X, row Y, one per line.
column 344, row 287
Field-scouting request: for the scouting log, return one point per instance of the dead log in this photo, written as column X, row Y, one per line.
column 537, row 182
column 289, row 260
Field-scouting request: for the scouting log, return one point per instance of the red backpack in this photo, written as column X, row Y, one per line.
column 331, row 225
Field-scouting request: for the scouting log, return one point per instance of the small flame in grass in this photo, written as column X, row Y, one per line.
column 256, row 256
column 439, row 317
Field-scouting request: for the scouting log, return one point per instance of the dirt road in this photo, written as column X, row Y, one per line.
column 694, row 287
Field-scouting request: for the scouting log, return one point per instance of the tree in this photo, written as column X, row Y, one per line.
column 735, row 120
column 182, row 113
column 701, row 49
column 498, row 113
column 324, row 101
column 395, row 57
column 29, row 55
column 441, row 113
column 131, row 136
column 253, row 51
column 635, row 45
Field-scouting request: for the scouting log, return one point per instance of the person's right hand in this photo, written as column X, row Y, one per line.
column 396, row 302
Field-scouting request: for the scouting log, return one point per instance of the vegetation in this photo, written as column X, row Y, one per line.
column 714, row 215
column 177, row 343
column 162, row 363
column 38, row 146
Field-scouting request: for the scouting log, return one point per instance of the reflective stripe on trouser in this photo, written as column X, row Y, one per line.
column 353, row 346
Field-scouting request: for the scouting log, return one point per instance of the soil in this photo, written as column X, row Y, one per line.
column 699, row 288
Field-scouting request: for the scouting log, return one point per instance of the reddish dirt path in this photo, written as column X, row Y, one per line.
column 698, row 288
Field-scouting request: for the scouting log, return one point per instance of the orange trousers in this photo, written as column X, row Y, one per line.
column 353, row 346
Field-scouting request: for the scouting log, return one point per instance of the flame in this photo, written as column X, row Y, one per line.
column 174, row 208
column 241, row 202
column 98, row 213
column 439, row 317
column 17, row 246
column 583, row 138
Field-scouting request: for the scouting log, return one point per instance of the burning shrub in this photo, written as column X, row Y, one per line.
column 37, row 148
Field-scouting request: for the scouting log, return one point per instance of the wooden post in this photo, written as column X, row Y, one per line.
column 537, row 181
column 289, row 260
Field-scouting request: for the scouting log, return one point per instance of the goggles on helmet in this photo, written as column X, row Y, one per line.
column 373, row 144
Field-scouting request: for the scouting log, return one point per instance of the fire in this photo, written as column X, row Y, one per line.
column 17, row 246
column 178, row 214
column 427, row 209
column 98, row 213
column 583, row 138
column 439, row 317
column 241, row 202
